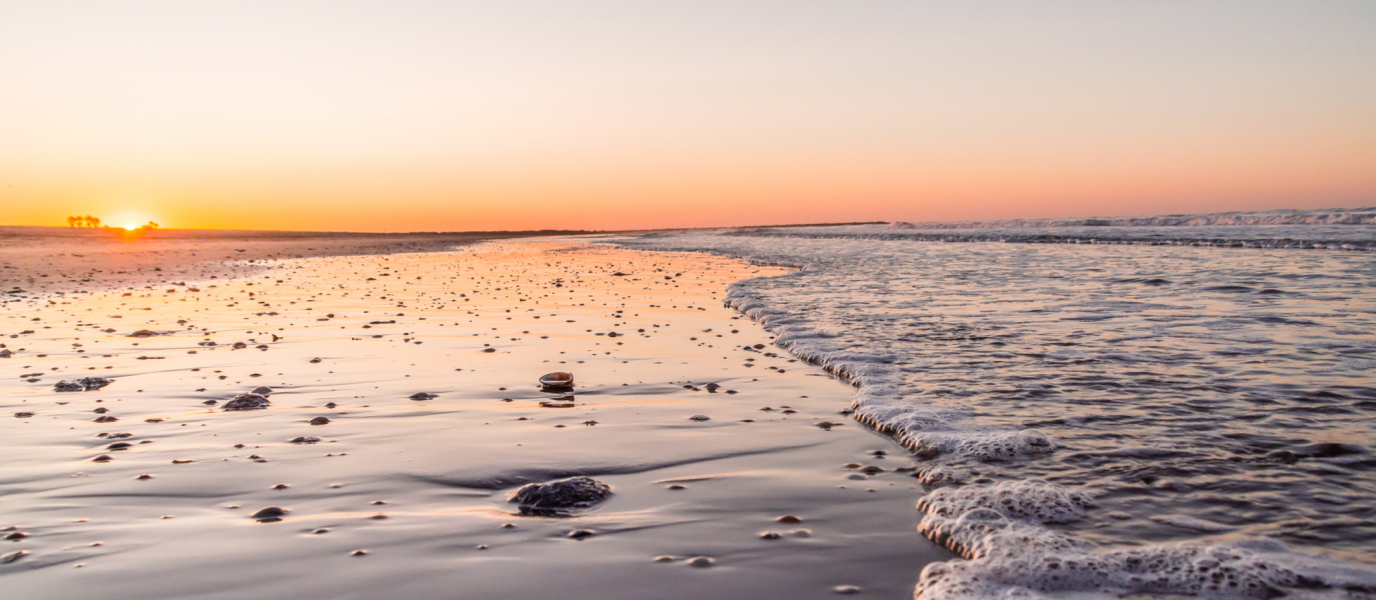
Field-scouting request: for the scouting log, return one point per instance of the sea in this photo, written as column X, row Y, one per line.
column 1179, row 405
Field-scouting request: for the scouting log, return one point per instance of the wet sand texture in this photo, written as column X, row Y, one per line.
column 408, row 496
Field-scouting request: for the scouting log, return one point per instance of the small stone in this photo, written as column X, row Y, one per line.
column 664, row 559
column 320, row 421
column 699, row 418
column 359, row 553
column 271, row 514
column 560, row 495
column 102, row 458
column 846, row 589
column 248, row 401
column 789, row 519
column 305, row 439
column 701, row 562
column 13, row 556
column 771, row 535
column 263, row 390
column 423, row 396
column 579, row 534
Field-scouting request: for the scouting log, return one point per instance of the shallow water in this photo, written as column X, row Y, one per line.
column 439, row 470
column 1168, row 393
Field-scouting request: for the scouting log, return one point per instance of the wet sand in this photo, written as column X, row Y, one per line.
column 47, row 260
column 421, row 486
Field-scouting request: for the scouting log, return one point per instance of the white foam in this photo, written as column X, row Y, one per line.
column 1000, row 530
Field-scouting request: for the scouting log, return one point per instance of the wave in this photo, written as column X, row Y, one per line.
column 1334, row 216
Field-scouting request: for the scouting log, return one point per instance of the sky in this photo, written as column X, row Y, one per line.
column 513, row 115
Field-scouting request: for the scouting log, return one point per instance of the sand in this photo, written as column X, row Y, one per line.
column 404, row 498
column 48, row 260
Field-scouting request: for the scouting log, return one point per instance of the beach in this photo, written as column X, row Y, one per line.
column 420, row 370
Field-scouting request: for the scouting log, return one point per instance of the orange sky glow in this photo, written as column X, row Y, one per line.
column 441, row 116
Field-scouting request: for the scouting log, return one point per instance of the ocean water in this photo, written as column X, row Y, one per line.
column 1196, row 416
column 1337, row 229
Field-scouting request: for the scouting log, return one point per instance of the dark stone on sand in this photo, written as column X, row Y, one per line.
column 771, row 535
column 559, row 496
column 489, row 349
column 579, row 534
column 789, row 519
column 248, row 401
column 315, row 360
column 423, row 396
column 331, row 405
column 23, row 415
column 846, row 589
column 105, row 419
column 211, row 402
column 82, row 385
column 712, row 387
column 263, row 390
column 13, row 556
column 271, row 514
column 16, row 536
column 700, row 418
column 119, row 446
column 701, row 562
column 143, row 333
column 103, row 458
column 144, row 476
column 320, row 421
column 305, row 439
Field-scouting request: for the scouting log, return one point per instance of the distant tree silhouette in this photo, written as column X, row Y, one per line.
column 80, row 221
column 72, row 221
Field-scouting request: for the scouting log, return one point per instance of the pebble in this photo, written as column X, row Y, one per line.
column 560, row 495
column 699, row 418
column 664, row 559
column 771, row 535
column 701, row 562
column 320, row 421
column 271, row 514
column 249, row 401
column 305, row 439
column 423, row 396
column 789, row 519
column 579, row 534
column 846, row 589
column 13, row 556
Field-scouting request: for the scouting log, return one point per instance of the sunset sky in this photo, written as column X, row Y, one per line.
column 444, row 115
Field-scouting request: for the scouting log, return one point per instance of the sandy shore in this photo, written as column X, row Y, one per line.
column 421, row 486
column 46, row 260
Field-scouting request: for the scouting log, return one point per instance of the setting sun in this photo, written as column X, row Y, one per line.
column 130, row 226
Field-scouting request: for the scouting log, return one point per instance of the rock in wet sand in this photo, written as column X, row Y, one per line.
column 560, row 495
column 271, row 514
column 248, row 401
